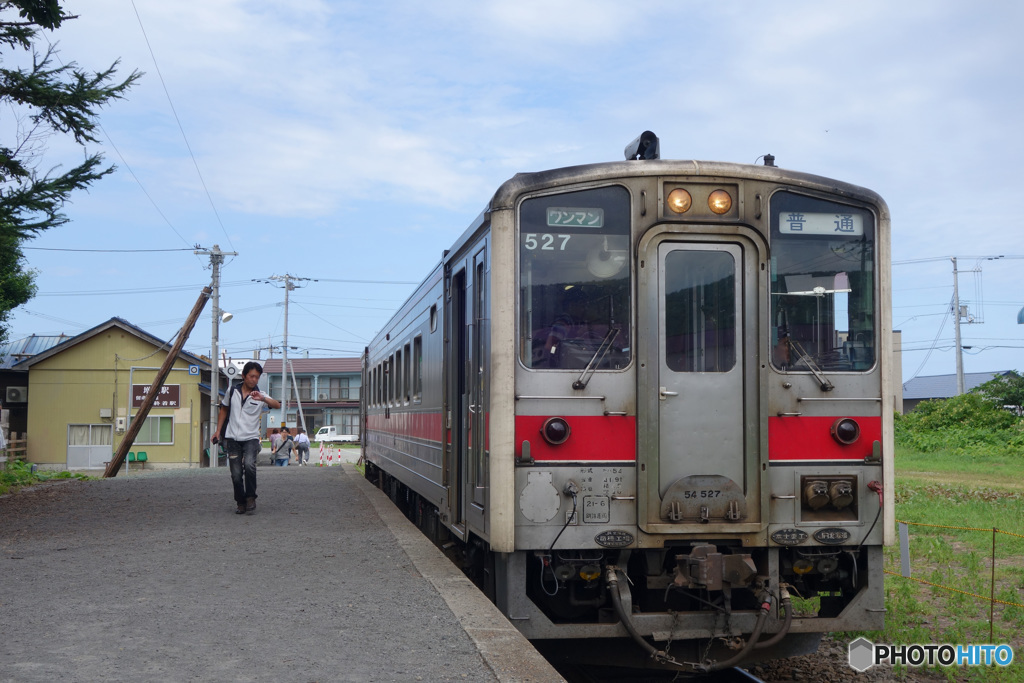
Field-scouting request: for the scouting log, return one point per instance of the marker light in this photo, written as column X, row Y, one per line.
column 803, row 566
column 845, row 430
column 679, row 200
column 719, row 202
column 555, row 431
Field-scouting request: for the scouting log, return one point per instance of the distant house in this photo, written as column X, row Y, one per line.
column 14, row 377
column 942, row 386
column 327, row 388
column 85, row 391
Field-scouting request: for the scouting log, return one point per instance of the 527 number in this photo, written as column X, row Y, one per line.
column 545, row 241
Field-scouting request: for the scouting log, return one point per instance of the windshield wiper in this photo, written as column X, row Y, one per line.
column 826, row 385
column 599, row 354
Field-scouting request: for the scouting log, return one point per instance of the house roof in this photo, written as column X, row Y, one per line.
column 16, row 351
column 103, row 327
column 315, row 365
column 944, row 386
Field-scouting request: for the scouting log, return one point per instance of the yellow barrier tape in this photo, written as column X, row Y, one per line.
column 1009, row 533
column 940, row 526
column 961, row 528
column 955, row 590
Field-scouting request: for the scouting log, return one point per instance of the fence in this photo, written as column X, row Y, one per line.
column 17, row 449
column 904, row 533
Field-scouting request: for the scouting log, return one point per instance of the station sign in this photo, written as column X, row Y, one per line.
column 169, row 396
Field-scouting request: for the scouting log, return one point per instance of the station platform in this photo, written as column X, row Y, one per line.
column 152, row 576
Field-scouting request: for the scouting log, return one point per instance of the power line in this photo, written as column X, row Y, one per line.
column 180, row 127
column 108, row 251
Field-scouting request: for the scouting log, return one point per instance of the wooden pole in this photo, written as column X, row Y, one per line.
column 115, row 464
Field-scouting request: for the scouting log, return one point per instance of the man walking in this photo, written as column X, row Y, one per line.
column 302, row 446
column 239, row 423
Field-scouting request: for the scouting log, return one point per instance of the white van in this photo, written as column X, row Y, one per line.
column 330, row 434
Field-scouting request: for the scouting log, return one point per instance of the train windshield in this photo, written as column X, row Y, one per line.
column 822, row 285
column 574, row 280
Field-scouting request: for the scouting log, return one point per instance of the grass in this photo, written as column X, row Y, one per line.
column 18, row 474
column 965, row 492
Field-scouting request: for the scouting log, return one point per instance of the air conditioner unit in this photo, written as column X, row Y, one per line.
column 323, row 397
column 17, row 394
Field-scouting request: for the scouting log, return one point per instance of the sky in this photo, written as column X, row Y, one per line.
column 350, row 143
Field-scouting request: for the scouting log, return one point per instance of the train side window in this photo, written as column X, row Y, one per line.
column 406, row 379
column 417, row 368
column 433, row 318
column 391, row 379
column 397, row 395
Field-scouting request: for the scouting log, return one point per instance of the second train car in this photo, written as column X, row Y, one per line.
column 652, row 400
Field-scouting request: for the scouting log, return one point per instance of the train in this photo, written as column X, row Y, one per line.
column 650, row 402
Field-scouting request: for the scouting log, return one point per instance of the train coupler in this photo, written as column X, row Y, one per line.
column 707, row 568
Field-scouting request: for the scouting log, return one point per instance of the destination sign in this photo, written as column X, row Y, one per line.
column 804, row 223
column 561, row 216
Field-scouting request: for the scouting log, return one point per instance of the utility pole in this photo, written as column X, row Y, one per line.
column 216, row 260
column 288, row 284
column 956, row 327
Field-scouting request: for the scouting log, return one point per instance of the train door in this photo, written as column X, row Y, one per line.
column 456, row 397
column 702, row 452
column 469, row 341
column 476, row 490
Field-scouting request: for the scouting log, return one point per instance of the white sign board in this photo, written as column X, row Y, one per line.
column 803, row 223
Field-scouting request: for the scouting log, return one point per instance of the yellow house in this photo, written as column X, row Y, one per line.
column 84, row 392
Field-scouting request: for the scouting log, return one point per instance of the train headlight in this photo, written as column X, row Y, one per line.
column 589, row 572
column 816, row 494
column 555, row 431
column 845, row 430
column 679, row 200
column 719, row 202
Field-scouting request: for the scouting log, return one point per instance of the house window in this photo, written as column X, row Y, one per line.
column 339, row 388
column 305, row 387
column 158, row 429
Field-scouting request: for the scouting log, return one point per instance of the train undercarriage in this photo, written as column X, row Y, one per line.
column 697, row 606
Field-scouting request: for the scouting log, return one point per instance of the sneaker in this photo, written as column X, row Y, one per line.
column 241, row 509
column 250, row 505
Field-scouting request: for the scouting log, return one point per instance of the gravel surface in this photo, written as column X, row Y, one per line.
column 830, row 664
column 153, row 576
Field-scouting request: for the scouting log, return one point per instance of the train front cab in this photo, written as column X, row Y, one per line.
column 715, row 443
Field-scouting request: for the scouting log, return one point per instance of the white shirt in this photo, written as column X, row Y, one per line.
column 243, row 416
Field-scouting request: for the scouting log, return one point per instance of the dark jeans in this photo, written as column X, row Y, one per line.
column 303, row 453
column 242, row 461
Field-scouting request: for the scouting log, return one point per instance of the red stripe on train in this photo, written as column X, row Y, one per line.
column 810, row 438
column 592, row 437
column 427, row 426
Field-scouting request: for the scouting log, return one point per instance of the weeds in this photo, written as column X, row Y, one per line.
column 18, row 474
